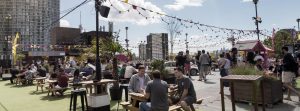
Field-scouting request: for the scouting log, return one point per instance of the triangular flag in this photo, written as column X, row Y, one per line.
column 133, row 6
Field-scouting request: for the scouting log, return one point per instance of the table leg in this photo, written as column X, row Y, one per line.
column 232, row 95
column 222, row 95
column 126, row 94
column 254, row 96
column 262, row 95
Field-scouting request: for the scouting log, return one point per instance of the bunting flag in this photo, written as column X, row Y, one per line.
column 134, row 7
column 192, row 24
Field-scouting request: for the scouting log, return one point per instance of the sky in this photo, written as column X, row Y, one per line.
column 234, row 14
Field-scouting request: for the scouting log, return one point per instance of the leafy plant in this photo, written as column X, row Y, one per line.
column 159, row 65
column 249, row 70
column 245, row 70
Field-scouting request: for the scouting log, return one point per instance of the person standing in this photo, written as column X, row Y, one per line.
column 187, row 64
column 210, row 64
column 157, row 91
column 288, row 74
column 224, row 65
column 197, row 59
column 180, row 60
column 204, row 62
column 129, row 71
column 186, row 90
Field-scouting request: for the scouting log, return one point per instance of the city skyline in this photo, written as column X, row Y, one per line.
column 228, row 14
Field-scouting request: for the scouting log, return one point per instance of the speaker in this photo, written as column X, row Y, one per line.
column 104, row 11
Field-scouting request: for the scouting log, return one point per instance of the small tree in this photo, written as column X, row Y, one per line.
column 282, row 37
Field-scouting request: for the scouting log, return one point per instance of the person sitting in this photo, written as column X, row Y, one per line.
column 107, row 74
column 129, row 71
column 41, row 71
column 186, row 90
column 139, row 81
column 13, row 72
column 62, row 81
column 77, row 77
column 157, row 91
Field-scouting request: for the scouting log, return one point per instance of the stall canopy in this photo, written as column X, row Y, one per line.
column 252, row 45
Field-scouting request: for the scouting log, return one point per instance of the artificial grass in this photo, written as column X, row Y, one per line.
column 26, row 98
column 298, row 83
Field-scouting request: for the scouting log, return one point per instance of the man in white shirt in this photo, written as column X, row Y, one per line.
column 129, row 71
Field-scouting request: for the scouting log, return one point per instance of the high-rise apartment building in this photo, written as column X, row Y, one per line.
column 157, row 46
column 142, row 51
column 33, row 19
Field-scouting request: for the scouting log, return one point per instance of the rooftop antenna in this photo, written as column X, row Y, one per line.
column 80, row 25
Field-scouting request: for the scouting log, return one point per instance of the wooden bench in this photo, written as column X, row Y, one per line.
column 176, row 107
column 125, row 104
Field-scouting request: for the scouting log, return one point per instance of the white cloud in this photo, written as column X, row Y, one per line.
column 64, row 23
column 180, row 4
column 132, row 16
column 247, row 0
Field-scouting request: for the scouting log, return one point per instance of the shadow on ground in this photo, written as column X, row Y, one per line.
column 37, row 92
column 54, row 98
column 209, row 82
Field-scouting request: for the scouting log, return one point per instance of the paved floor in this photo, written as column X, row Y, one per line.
column 210, row 91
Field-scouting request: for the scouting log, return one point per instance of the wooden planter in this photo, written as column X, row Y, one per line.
column 272, row 91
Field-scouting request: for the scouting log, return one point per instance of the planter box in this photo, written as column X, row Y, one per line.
column 272, row 91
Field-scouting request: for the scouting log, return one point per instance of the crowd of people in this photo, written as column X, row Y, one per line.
column 154, row 88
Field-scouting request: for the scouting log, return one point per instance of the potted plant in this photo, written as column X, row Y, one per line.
column 110, row 48
column 159, row 65
column 243, row 90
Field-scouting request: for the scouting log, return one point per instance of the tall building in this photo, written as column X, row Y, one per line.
column 33, row 19
column 142, row 51
column 157, row 46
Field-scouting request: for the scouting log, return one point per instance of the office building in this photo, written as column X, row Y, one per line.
column 142, row 51
column 157, row 46
column 33, row 19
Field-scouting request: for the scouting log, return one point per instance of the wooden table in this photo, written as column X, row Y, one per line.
column 103, row 82
column 135, row 98
column 255, row 79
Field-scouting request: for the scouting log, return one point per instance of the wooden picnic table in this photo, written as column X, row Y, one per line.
column 255, row 79
column 135, row 97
